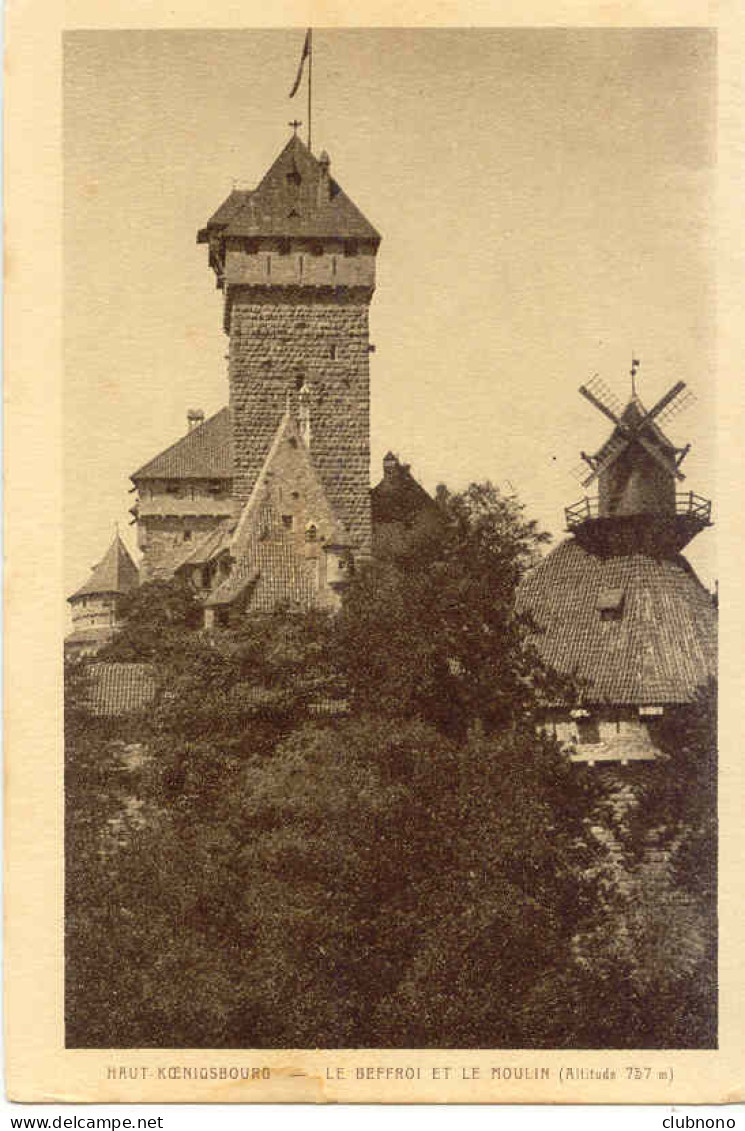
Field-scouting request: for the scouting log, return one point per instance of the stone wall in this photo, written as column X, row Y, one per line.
column 281, row 340
column 160, row 538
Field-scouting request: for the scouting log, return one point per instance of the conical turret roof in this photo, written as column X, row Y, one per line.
column 115, row 573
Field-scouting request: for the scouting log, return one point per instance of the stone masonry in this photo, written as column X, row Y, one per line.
column 286, row 346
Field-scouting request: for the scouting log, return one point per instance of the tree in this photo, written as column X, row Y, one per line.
column 436, row 636
column 156, row 617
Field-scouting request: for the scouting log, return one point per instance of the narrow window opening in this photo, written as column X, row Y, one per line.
column 284, row 247
column 332, row 352
column 588, row 731
column 187, row 536
column 333, row 264
column 300, row 265
column 287, row 521
column 268, row 264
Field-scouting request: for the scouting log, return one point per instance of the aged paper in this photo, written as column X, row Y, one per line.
column 109, row 342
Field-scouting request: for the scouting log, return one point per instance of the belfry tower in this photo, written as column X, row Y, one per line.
column 296, row 262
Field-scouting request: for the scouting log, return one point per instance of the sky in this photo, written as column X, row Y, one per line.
column 545, row 198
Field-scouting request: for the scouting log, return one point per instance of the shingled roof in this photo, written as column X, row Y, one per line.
column 120, row 689
column 398, row 497
column 115, row 573
column 635, row 629
column 290, row 200
column 205, row 452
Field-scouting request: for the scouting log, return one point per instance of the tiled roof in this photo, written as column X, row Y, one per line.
column 398, row 496
column 115, row 573
column 268, row 569
column 207, row 548
column 273, row 575
column 657, row 648
column 205, row 452
column 290, row 200
column 120, row 689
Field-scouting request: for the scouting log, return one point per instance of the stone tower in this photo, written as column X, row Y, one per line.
column 296, row 262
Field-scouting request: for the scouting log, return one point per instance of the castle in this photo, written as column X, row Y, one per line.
column 268, row 502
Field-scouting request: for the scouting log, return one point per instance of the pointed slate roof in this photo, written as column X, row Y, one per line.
column 295, row 197
column 115, row 573
column 254, row 513
column 205, row 452
column 268, row 570
column 654, row 642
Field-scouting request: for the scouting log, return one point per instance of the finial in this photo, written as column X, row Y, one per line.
column 295, row 126
column 635, row 363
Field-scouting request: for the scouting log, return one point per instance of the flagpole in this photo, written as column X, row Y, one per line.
column 310, row 84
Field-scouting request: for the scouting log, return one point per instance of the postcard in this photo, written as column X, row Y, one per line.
column 373, row 473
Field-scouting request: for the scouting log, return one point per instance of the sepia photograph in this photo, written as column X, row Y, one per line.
column 390, row 671
column 372, row 494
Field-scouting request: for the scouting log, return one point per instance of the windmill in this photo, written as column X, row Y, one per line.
column 617, row 608
column 631, row 427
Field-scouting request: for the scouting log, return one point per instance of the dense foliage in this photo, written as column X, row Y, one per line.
column 347, row 832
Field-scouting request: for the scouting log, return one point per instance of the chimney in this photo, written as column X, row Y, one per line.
column 390, row 466
column 194, row 417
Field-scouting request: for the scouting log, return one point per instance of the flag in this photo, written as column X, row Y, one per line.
column 303, row 57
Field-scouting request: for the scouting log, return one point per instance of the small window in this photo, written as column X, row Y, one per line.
column 251, row 247
column 332, row 352
column 300, row 265
column 588, row 732
column 316, row 248
column 187, row 536
column 333, row 264
column 215, row 487
column 172, row 488
column 268, row 264
column 610, row 604
column 284, row 247
column 287, row 521
column 350, row 247
column 311, row 532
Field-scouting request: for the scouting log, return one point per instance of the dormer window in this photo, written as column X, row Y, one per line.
column 610, row 604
